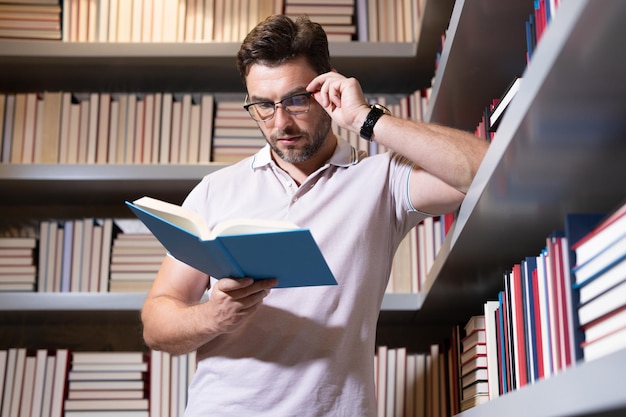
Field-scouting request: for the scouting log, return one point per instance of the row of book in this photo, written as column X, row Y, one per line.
column 144, row 128
column 30, row 20
column 121, row 255
column 66, row 383
column 81, row 255
column 204, row 20
column 559, row 308
column 442, row 381
column 538, row 21
column 410, row 384
column 65, row 127
column 494, row 112
column 536, row 24
column 416, row 254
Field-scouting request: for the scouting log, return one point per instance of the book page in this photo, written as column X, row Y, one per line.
column 194, row 223
column 180, row 216
column 251, row 226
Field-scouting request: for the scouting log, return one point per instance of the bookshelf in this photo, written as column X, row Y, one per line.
column 36, row 191
column 559, row 149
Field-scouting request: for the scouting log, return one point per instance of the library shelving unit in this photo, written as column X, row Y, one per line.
column 560, row 148
column 31, row 192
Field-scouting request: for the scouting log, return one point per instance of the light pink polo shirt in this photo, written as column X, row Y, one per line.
column 309, row 351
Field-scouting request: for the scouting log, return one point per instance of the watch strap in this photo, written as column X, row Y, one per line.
column 367, row 129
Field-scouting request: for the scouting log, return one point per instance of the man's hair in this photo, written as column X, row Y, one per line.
column 278, row 39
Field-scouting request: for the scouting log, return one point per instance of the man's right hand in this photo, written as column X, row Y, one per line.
column 235, row 300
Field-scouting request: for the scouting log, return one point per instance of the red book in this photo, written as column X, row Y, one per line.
column 518, row 316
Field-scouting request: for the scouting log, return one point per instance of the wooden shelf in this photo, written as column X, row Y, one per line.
column 382, row 67
column 181, row 67
column 588, row 389
column 484, row 49
column 33, row 301
column 84, row 184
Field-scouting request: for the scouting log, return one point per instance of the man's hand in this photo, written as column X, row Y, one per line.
column 233, row 301
column 342, row 98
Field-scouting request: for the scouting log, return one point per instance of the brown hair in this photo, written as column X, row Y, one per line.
column 278, row 39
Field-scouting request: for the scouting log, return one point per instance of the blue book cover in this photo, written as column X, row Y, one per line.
column 291, row 256
column 578, row 225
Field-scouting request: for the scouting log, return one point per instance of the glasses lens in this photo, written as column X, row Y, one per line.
column 261, row 111
column 265, row 110
column 297, row 104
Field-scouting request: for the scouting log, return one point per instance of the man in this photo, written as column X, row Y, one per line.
column 305, row 351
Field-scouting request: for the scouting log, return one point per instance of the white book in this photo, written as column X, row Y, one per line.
column 18, row 380
column 608, row 325
column 492, row 347
column 166, row 126
column 46, row 402
column 147, row 128
column 107, row 357
column 58, row 383
column 92, row 129
column 400, row 383
column 613, row 254
column 603, row 304
column 603, row 282
column 102, row 34
column 7, row 394
column 155, row 382
column 28, row 385
column 605, row 346
column 41, row 362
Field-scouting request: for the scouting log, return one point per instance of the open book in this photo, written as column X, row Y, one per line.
column 236, row 248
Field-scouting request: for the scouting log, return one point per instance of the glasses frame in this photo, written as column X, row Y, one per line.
column 276, row 103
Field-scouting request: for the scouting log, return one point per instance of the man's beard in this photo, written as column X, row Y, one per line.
column 294, row 156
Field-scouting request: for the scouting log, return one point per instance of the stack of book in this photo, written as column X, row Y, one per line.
column 473, row 364
column 600, row 277
column 35, row 20
column 107, row 381
column 336, row 16
column 135, row 260
column 17, row 264
column 236, row 135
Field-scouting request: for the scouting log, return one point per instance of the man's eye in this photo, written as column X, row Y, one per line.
column 265, row 105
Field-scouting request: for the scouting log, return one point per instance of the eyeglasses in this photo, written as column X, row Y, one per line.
column 263, row 111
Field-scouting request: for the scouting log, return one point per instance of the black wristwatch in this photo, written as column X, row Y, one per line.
column 367, row 130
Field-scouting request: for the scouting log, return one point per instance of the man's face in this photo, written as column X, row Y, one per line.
column 293, row 137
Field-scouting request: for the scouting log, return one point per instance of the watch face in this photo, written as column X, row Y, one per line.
column 382, row 108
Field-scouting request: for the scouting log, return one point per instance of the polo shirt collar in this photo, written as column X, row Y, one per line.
column 344, row 155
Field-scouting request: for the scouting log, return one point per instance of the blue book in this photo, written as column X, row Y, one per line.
column 577, row 226
column 237, row 248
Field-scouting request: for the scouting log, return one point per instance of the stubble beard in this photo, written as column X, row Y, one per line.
column 295, row 155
